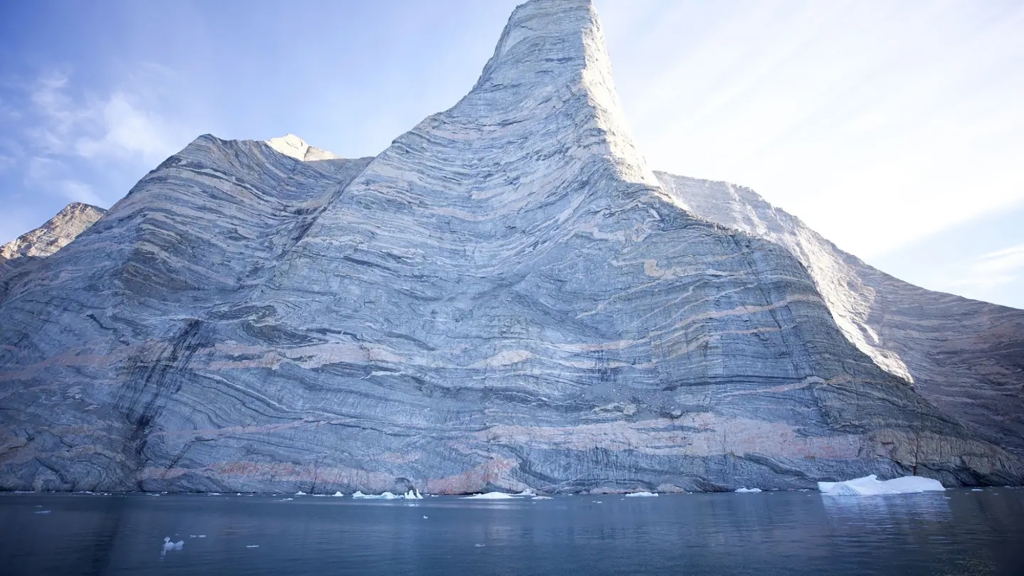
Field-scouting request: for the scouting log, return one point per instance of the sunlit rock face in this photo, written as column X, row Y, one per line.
column 56, row 233
column 507, row 297
column 964, row 356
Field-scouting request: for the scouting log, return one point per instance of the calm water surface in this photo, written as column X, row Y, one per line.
column 958, row 532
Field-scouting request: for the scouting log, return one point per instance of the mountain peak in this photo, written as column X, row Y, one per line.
column 553, row 51
column 53, row 235
column 292, row 145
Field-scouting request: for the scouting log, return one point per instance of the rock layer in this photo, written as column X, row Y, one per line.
column 964, row 356
column 505, row 298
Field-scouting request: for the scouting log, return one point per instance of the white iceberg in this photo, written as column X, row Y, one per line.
column 490, row 496
column 527, row 492
column 385, row 496
column 643, row 494
column 748, row 490
column 168, row 545
column 338, row 494
column 871, row 485
column 413, row 494
column 300, row 493
column 541, row 498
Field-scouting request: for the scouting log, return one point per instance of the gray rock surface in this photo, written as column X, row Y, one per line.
column 56, row 233
column 964, row 356
column 506, row 297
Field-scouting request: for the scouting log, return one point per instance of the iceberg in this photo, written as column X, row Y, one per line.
column 338, row 494
column 541, row 498
column 871, row 485
column 385, row 496
column 490, row 496
column 643, row 494
column 413, row 494
column 749, row 490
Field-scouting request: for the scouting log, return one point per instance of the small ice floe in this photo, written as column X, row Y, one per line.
column 747, row 490
column 976, row 490
column 339, row 494
column 385, row 496
column 191, row 535
column 490, row 496
column 527, row 492
column 478, row 545
column 300, row 493
column 286, row 499
column 541, row 498
column 42, row 511
column 413, row 494
column 216, row 494
column 168, row 545
column 424, row 517
column 252, row 545
column 598, row 502
column 642, row 494
column 871, row 485
column 202, row 535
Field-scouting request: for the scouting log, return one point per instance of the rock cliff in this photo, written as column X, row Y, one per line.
column 56, row 233
column 506, row 297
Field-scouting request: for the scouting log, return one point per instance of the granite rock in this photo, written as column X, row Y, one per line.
column 507, row 297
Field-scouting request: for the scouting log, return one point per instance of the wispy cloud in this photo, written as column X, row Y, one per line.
column 878, row 123
column 115, row 126
column 994, row 269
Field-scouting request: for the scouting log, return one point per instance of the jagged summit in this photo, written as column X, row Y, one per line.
column 53, row 235
column 292, row 145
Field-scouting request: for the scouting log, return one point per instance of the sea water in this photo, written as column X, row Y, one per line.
column 763, row 534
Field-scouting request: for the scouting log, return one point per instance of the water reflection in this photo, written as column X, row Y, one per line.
column 763, row 534
column 891, row 507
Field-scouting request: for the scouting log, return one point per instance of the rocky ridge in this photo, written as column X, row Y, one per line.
column 507, row 297
column 56, row 233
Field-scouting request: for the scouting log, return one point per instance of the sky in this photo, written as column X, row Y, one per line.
column 895, row 129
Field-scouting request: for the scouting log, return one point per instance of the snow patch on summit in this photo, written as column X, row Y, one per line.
column 292, row 145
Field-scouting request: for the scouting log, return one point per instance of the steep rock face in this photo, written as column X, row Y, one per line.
column 505, row 297
column 965, row 356
column 56, row 233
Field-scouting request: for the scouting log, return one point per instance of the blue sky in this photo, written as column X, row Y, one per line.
column 893, row 128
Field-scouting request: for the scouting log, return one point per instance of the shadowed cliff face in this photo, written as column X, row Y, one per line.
column 504, row 298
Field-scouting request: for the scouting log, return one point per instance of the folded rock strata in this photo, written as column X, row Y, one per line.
column 505, row 298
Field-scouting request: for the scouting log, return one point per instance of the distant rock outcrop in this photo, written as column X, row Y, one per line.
column 56, row 233
column 20, row 255
column 505, row 298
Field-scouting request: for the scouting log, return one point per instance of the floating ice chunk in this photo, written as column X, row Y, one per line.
column 643, row 494
column 338, row 494
column 871, row 485
column 598, row 502
column 541, row 498
column 478, row 545
column 413, row 494
column 42, row 512
column 252, row 546
column 424, row 517
column 168, row 545
column 300, row 493
column 202, row 535
column 490, row 496
column 527, row 492
column 385, row 496
column 747, row 490
column 976, row 490
column 286, row 499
